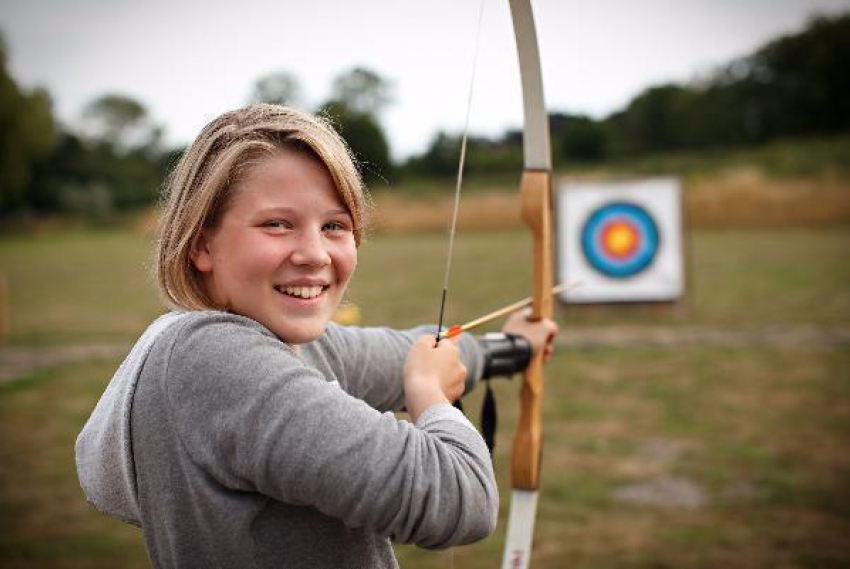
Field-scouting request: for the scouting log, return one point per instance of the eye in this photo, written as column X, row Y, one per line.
column 277, row 224
column 336, row 226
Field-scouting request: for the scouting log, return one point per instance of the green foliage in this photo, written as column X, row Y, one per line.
column 358, row 96
column 794, row 86
column 365, row 137
column 95, row 178
column 122, row 124
column 483, row 156
column 440, row 160
column 26, row 135
column 577, row 138
column 116, row 164
column 362, row 91
column 652, row 121
column 804, row 79
column 280, row 88
column 821, row 157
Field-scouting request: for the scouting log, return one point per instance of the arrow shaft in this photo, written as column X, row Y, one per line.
column 505, row 310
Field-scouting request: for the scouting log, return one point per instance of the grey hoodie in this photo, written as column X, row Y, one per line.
column 232, row 450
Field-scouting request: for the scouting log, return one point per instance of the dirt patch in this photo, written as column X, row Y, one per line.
column 654, row 457
column 658, row 488
column 663, row 492
column 17, row 362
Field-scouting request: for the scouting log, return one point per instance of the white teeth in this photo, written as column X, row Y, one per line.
column 302, row 291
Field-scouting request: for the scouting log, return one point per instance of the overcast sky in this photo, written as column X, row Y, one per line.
column 190, row 60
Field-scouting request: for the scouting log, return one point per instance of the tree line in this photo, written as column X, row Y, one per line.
column 794, row 86
column 115, row 159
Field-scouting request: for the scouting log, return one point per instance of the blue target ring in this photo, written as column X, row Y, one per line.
column 620, row 239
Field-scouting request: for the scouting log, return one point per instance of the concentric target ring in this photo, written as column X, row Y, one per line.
column 620, row 240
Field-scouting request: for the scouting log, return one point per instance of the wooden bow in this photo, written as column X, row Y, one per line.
column 536, row 193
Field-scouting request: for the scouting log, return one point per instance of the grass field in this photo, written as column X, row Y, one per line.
column 695, row 456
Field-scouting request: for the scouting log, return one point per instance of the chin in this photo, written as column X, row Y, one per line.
column 296, row 335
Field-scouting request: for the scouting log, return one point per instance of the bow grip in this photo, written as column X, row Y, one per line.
column 528, row 441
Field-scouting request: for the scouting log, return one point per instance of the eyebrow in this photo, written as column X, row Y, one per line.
column 272, row 209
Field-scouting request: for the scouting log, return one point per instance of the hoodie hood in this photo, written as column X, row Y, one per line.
column 104, row 450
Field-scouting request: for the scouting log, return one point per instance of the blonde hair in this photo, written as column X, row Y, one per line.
column 201, row 186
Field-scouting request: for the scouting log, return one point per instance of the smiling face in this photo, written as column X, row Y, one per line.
column 284, row 249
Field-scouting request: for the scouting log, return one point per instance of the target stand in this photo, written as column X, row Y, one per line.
column 622, row 240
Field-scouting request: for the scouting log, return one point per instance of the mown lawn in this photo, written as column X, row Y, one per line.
column 739, row 453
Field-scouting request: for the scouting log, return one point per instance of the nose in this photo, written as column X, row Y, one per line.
column 311, row 249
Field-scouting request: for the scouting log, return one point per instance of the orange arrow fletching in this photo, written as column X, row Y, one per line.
column 453, row 331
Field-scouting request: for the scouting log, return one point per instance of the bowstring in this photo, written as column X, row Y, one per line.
column 460, row 167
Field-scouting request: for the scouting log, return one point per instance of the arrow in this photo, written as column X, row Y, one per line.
column 457, row 330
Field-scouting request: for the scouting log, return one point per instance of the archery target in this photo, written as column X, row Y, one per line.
column 619, row 239
column 622, row 240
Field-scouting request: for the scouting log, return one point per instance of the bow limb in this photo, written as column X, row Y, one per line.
column 536, row 193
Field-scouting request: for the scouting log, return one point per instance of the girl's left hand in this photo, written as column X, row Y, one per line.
column 541, row 333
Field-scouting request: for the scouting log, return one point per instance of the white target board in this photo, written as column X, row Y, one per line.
column 621, row 239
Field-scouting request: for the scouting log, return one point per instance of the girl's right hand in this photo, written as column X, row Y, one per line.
column 432, row 375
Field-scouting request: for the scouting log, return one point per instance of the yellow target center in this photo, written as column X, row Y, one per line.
column 620, row 239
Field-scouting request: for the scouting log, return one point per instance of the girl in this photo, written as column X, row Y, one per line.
column 245, row 429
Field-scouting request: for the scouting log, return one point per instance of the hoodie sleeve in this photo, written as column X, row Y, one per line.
column 257, row 419
column 370, row 361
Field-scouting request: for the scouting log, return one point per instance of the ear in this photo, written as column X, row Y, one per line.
column 200, row 253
